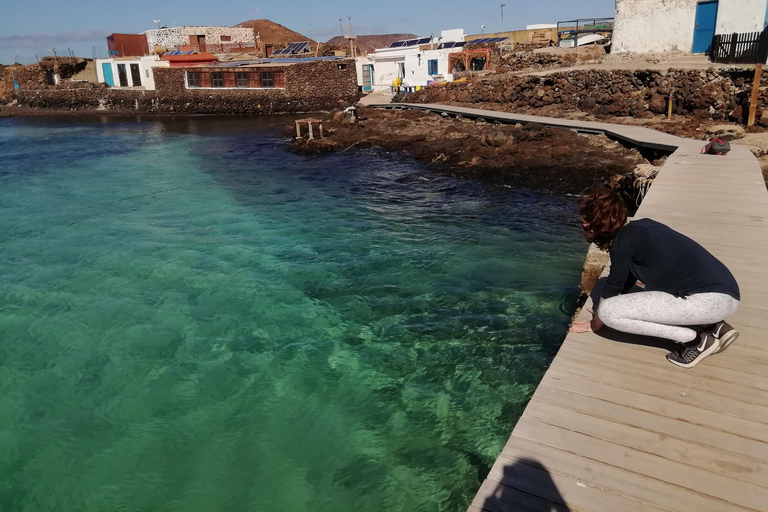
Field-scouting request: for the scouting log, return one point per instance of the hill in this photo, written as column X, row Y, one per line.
column 370, row 43
column 272, row 32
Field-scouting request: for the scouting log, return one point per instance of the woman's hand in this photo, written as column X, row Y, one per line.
column 580, row 327
column 587, row 325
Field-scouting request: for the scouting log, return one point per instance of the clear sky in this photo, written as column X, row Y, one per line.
column 34, row 27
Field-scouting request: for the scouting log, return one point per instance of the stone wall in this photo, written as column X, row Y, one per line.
column 716, row 94
column 310, row 87
column 549, row 58
column 33, row 77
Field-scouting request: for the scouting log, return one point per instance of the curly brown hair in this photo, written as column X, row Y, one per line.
column 602, row 214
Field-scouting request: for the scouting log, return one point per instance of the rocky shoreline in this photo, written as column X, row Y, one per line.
column 528, row 156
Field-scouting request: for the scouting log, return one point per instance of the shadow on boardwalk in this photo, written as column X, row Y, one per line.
column 531, row 475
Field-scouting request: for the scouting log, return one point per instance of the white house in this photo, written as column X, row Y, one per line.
column 643, row 26
column 130, row 72
column 411, row 63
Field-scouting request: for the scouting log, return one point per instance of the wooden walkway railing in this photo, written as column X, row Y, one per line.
column 614, row 427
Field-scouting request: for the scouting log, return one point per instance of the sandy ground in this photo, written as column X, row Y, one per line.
column 376, row 97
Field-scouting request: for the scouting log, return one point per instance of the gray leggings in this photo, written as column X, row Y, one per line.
column 663, row 315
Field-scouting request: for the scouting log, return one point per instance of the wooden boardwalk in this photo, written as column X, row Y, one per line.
column 613, row 426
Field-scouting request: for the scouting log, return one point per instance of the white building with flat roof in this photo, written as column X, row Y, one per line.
column 410, row 63
column 129, row 72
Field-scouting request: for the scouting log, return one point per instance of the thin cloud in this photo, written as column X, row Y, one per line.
column 60, row 39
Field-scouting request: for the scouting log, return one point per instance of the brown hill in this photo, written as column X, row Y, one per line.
column 369, row 43
column 272, row 32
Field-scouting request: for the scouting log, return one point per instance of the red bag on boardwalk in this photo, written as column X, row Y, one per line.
column 716, row 147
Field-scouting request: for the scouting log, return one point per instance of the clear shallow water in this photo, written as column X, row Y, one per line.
column 194, row 319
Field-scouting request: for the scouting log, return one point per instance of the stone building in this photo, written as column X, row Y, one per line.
column 202, row 39
column 292, row 77
column 644, row 26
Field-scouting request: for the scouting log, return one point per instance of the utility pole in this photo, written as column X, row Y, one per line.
column 351, row 38
column 502, row 17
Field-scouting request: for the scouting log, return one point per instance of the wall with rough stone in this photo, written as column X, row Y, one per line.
column 310, row 87
column 643, row 26
column 179, row 36
column 741, row 16
column 720, row 94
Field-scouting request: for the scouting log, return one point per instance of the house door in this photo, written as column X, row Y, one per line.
column 704, row 31
column 135, row 75
column 122, row 76
column 108, row 78
column 367, row 77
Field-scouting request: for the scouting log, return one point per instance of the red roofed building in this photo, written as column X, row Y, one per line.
column 127, row 45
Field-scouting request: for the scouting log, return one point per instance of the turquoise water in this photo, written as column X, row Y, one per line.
column 194, row 319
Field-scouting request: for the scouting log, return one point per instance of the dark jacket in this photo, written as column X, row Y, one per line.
column 664, row 260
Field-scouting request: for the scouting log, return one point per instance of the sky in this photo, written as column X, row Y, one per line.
column 30, row 29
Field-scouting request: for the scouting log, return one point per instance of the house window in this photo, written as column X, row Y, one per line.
column 432, row 67
column 242, row 79
column 477, row 64
column 401, row 70
column 217, row 79
column 193, row 79
column 226, row 39
column 341, row 67
column 267, row 79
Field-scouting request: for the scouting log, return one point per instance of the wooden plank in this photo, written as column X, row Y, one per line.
column 674, row 427
column 532, row 477
column 734, row 467
column 753, row 433
column 651, row 490
column 650, row 357
column 666, row 378
column 687, row 477
column 496, row 497
column 691, row 394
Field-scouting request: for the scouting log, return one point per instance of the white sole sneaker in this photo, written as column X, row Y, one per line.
column 689, row 357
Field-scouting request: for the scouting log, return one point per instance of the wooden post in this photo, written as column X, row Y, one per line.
column 755, row 94
column 298, row 130
column 321, row 129
column 309, row 123
column 669, row 107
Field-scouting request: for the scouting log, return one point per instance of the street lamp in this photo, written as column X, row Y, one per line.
column 158, row 23
column 502, row 17
column 482, row 30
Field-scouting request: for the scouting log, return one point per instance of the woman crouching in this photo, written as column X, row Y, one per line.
column 685, row 286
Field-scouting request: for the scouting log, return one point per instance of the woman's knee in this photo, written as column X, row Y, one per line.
column 609, row 311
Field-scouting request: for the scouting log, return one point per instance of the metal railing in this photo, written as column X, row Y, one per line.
column 744, row 48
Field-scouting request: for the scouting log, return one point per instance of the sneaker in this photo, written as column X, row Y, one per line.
column 689, row 357
column 724, row 332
